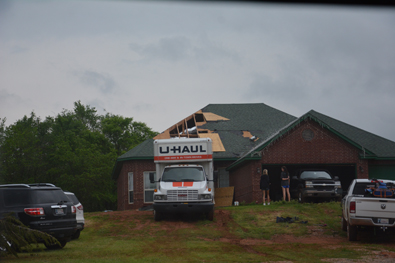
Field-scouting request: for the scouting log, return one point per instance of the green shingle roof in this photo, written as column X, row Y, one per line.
column 371, row 145
column 378, row 147
column 267, row 124
column 259, row 119
column 144, row 150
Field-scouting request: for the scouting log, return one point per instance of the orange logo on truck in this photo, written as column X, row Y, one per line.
column 182, row 184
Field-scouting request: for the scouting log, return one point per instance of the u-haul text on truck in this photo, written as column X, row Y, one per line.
column 184, row 177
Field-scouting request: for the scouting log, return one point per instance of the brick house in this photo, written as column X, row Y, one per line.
column 248, row 138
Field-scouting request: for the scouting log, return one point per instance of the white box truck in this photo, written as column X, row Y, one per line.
column 184, row 177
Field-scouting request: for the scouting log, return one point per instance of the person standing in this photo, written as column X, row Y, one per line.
column 265, row 186
column 285, row 183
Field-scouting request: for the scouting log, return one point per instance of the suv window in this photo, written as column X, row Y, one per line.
column 15, row 197
column 50, row 196
column 73, row 199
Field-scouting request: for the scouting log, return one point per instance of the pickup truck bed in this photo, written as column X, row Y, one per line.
column 360, row 210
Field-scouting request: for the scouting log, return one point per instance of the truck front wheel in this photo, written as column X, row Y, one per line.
column 351, row 232
column 210, row 215
column 344, row 224
column 157, row 216
column 301, row 198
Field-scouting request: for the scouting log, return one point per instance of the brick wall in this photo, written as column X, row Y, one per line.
column 324, row 148
column 138, row 167
column 245, row 179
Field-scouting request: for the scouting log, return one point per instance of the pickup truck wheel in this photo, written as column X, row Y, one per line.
column 351, row 232
column 210, row 215
column 157, row 216
column 344, row 224
column 301, row 198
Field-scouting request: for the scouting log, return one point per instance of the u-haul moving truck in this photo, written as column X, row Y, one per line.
column 184, row 177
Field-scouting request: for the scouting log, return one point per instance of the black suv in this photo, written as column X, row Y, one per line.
column 315, row 184
column 43, row 207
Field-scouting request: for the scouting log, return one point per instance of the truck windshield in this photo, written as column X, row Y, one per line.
column 315, row 175
column 183, row 174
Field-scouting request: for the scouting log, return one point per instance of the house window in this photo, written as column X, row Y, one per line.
column 130, row 180
column 148, row 188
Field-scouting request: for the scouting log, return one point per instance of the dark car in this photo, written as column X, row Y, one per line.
column 43, row 207
column 315, row 184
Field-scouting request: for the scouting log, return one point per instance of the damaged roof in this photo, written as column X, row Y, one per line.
column 240, row 131
column 229, row 125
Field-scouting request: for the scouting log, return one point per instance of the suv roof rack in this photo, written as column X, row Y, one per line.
column 14, row 185
column 27, row 185
column 43, row 184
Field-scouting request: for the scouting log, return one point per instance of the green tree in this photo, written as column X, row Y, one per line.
column 22, row 151
column 81, row 158
column 124, row 133
column 75, row 150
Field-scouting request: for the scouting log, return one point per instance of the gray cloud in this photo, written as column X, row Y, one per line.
column 159, row 61
column 104, row 82
column 169, row 48
column 179, row 48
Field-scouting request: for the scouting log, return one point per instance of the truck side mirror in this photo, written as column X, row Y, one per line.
column 152, row 178
column 294, row 177
column 336, row 178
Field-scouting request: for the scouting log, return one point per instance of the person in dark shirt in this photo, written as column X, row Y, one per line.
column 285, row 183
column 265, row 186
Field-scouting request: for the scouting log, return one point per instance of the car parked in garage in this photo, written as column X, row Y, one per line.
column 80, row 213
column 43, row 207
column 315, row 184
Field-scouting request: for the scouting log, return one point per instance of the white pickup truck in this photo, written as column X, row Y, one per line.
column 363, row 207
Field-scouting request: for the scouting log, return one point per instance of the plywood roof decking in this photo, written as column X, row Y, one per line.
column 248, row 134
column 213, row 117
column 217, row 143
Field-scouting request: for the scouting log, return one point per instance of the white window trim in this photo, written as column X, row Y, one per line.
column 130, row 174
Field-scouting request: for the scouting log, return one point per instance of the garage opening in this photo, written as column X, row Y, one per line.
column 345, row 172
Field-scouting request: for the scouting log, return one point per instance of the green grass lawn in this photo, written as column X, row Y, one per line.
column 247, row 233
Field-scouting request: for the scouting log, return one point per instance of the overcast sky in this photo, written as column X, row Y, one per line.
column 159, row 62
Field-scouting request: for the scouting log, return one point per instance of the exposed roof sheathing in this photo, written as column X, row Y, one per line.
column 209, row 116
column 217, row 143
column 247, row 134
